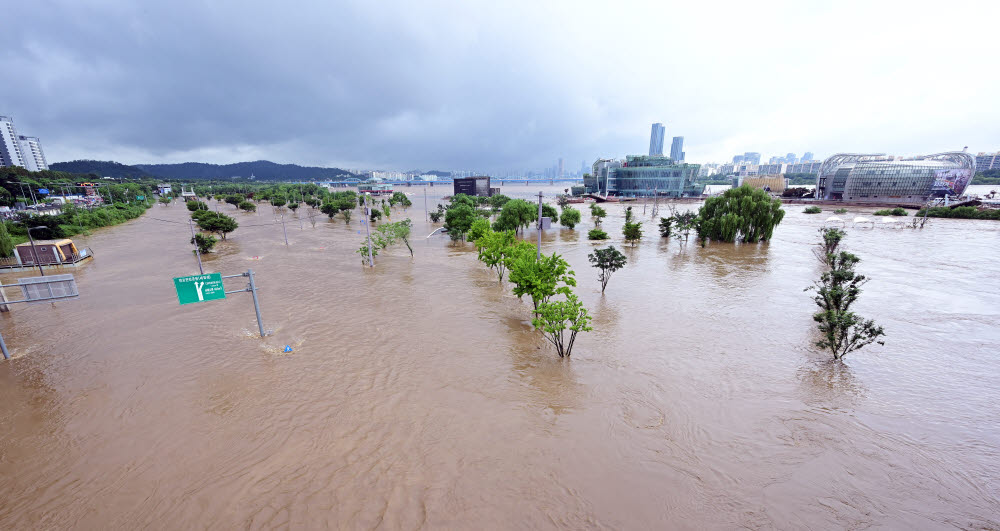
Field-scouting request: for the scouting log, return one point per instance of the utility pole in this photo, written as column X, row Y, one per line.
column 427, row 213
column 197, row 251
column 283, row 229
column 538, row 250
column 368, row 230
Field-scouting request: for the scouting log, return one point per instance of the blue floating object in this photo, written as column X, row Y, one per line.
column 288, row 348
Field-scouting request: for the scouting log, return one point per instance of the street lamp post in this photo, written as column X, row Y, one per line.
column 35, row 252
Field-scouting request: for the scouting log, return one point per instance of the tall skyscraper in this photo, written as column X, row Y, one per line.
column 790, row 158
column 31, row 150
column 677, row 149
column 560, row 174
column 10, row 148
column 807, row 156
column 656, row 140
column 751, row 157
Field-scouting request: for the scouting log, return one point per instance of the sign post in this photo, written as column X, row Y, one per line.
column 209, row 287
column 199, row 288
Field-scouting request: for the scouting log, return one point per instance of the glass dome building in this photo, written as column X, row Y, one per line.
column 879, row 178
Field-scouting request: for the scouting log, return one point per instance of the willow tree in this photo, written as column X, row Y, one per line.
column 741, row 214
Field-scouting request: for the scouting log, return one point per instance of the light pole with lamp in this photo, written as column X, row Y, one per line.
column 33, row 251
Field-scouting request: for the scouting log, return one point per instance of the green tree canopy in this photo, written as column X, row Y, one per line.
column 555, row 317
column 549, row 211
column 541, row 278
column 458, row 219
column 515, row 214
column 607, row 260
column 216, row 222
column 570, row 217
column 741, row 214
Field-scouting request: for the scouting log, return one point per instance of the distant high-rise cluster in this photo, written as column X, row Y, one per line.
column 19, row 150
column 750, row 157
column 656, row 140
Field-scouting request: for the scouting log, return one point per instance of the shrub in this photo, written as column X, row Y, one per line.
column 965, row 212
column 840, row 211
column 597, row 234
column 891, row 212
column 812, row 210
column 196, row 205
column 247, row 206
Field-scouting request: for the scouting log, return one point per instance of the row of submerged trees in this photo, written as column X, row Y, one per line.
column 547, row 279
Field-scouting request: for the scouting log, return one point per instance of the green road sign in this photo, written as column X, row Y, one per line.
column 140, row 197
column 199, row 288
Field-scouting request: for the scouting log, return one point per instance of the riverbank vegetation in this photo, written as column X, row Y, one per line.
column 890, row 212
column 963, row 212
column 812, row 210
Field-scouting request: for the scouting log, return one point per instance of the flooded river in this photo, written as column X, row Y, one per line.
column 417, row 394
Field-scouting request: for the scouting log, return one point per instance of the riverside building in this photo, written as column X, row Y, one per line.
column 878, row 178
column 641, row 175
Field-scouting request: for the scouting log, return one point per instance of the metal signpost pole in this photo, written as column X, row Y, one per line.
column 368, row 230
column 538, row 250
column 197, row 251
column 427, row 213
column 256, row 304
column 283, row 228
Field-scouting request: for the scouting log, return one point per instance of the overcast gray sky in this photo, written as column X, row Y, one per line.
column 512, row 84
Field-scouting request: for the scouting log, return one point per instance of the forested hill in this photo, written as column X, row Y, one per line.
column 104, row 168
column 261, row 169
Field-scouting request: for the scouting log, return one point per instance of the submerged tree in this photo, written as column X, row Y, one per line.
column 608, row 260
column 549, row 211
column 555, row 317
column 598, row 213
column 741, row 214
column 666, row 227
column 215, row 222
column 479, row 228
column 205, row 242
column 570, row 217
column 515, row 214
column 632, row 230
column 836, row 290
column 398, row 231
column 458, row 219
column 540, row 278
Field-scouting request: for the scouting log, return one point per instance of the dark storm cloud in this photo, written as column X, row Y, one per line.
column 449, row 85
column 337, row 84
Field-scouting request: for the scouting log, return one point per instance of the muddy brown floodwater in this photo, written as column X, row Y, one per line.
column 418, row 395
